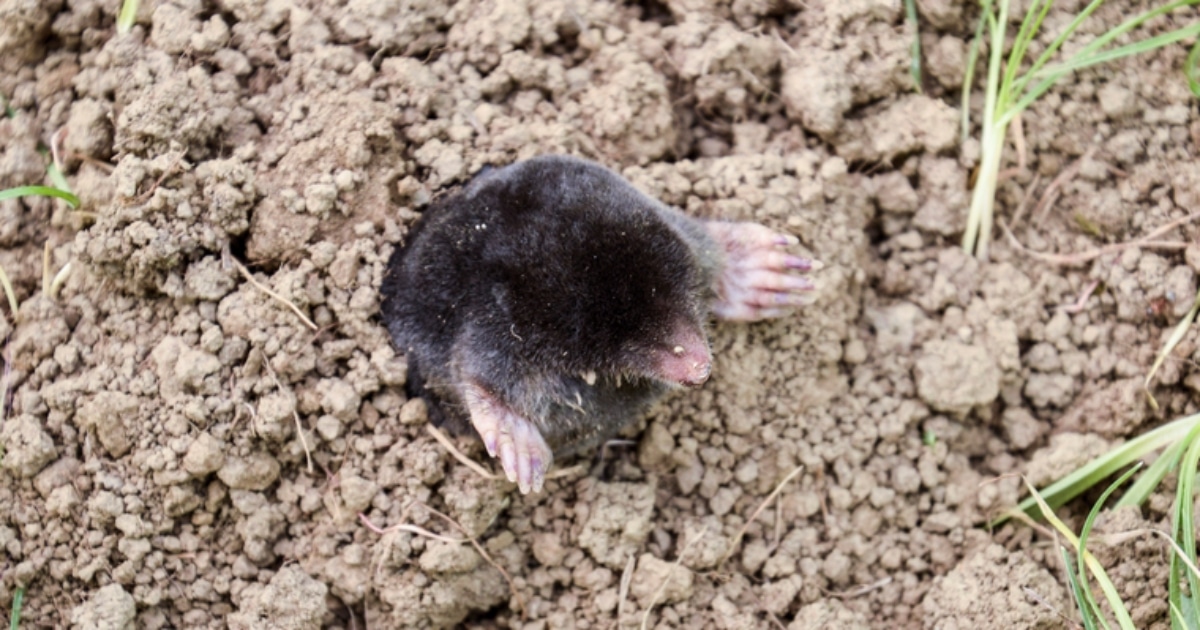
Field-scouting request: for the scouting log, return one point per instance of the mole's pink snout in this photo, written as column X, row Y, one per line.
column 685, row 358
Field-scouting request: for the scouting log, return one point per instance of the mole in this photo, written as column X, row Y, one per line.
column 547, row 304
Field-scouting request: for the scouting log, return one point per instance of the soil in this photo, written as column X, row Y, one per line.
column 181, row 449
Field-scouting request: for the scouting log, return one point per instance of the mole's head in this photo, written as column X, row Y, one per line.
column 623, row 298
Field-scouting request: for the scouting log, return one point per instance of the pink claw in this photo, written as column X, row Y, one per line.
column 758, row 281
column 514, row 440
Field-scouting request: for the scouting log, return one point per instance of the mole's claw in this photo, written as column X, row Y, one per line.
column 511, row 438
column 784, row 240
column 799, row 263
column 539, row 473
column 758, row 280
column 508, row 460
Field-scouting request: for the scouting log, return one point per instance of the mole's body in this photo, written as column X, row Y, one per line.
column 548, row 304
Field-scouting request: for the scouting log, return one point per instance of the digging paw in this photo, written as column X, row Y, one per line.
column 760, row 278
column 515, row 441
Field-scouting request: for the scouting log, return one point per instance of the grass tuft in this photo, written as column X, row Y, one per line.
column 1085, row 562
column 28, row 191
column 1180, row 444
column 1008, row 91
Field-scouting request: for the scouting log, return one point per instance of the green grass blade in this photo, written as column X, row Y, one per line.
column 1028, row 31
column 45, row 191
column 1081, row 548
column 1098, row 572
column 1054, row 74
column 1085, row 614
column 127, row 17
column 1130, row 24
column 910, row 11
column 1177, row 620
column 1189, row 70
column 977, row 235
column 1149, row 480
column 14, row 619
column 1191, row 617
column 1044, row 58
column 1100, row 468
column 1185, row 527
column 1146, row 45
column 57, row 178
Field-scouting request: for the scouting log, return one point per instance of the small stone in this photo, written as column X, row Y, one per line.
column 27, row 448
column 106, row 414
column 357, row 493
column 668, row 581
column 62, row 472
column 254, row 472
column 329, row 428
column 955, row 377
column 339, row 399
column 109, row 608
column 206, row 455
column 414, row 412
column 194, row 365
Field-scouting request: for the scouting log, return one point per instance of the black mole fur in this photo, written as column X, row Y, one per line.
column 535, row 274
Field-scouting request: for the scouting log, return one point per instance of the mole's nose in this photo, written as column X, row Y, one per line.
column 688, row 361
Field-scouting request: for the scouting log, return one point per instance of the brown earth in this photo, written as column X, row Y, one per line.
column 182, row 450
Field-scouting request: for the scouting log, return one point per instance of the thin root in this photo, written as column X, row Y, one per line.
column 733, row 544
column 1081, row 303
column 56, row 152
column 457, row 454
column 861, row 590
column 261, row 287
column 1024, row 205
column 512, row 588
column 623, row 589
column 1055, row 188
column 1148, row 241
column 295, row 416
column 663, row 587
column 1018, row 140
column 412, row 529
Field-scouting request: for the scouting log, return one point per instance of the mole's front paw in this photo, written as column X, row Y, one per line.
column 760, row 279
column 514, row 440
